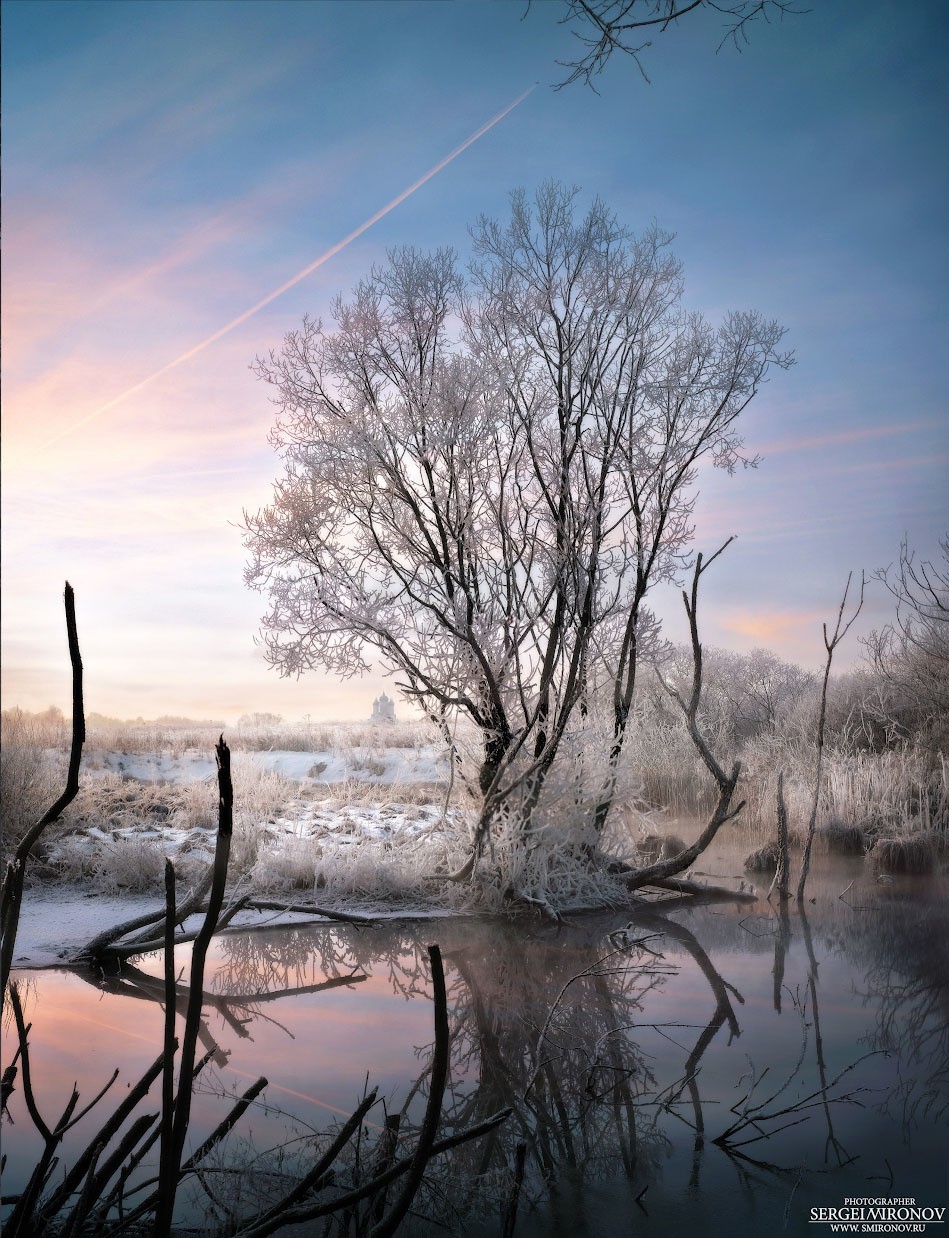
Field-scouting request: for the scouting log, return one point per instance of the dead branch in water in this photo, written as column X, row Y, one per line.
column 308, row 909
column 103, row 943
column 114, row 946
column 173, row 1141
column 708, row 893
column 11, row 895
column 830, row 644
column 726, row 783
column 781, row 881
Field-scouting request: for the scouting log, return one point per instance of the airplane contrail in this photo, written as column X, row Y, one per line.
column 294, row 279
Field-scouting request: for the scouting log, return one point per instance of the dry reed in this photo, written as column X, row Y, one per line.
column 764, row 860
column 914, row 855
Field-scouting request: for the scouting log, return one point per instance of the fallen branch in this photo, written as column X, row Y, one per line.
column 94, row 950
column 679, row 885
column 308, row 909
column 120, row 950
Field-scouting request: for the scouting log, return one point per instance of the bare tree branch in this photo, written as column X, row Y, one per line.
column 603, row 27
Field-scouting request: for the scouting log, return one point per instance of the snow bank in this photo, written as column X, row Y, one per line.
column 56, row 922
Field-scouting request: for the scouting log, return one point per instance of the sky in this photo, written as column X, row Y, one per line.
column 183, row 182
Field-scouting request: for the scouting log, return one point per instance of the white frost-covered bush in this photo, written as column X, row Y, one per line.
column 32, row 772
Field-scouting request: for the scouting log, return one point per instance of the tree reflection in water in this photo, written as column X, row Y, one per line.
column 561, row 1028
column 609, row 1043
column 907, row 983
column 576, row 1083
column 546, row 1027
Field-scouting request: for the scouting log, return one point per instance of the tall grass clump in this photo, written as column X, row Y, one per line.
column 839, row 838
column 363, row 868
column 114, row 866
column 914, row 854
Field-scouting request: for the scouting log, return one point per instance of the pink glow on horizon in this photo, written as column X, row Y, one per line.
column 770, row 627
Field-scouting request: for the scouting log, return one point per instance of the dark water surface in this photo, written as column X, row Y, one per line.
column 817, row 1046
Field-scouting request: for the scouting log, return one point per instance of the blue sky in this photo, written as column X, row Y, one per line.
column 167, row 166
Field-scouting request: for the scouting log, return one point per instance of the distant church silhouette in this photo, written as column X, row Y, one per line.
column 383, row 710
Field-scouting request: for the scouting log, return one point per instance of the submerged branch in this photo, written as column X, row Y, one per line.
column 308, row 909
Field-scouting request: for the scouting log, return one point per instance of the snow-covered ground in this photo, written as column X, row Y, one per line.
column 56, row 922
column 346, row 828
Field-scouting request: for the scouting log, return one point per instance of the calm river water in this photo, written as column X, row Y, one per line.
column 726, row 1075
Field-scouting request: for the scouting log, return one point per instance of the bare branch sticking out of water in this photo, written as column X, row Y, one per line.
column 830, row 644
column 782, row 874
column 756, row 1120
column 11, row 895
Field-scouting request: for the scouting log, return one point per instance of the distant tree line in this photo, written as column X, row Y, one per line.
column 52, row 718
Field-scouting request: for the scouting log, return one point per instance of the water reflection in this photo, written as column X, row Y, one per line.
column 575, row 1080
column 907, row 983
column 719, row 1069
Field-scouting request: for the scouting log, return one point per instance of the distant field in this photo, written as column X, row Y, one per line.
column 354, row 806
column 150, row 737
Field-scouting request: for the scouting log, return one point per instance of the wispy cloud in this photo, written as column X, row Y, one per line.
column 846, row 438
column 302, row 274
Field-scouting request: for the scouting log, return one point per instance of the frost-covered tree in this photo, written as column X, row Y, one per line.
column 485, row 475
column 911, row 652
column 756, row 692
